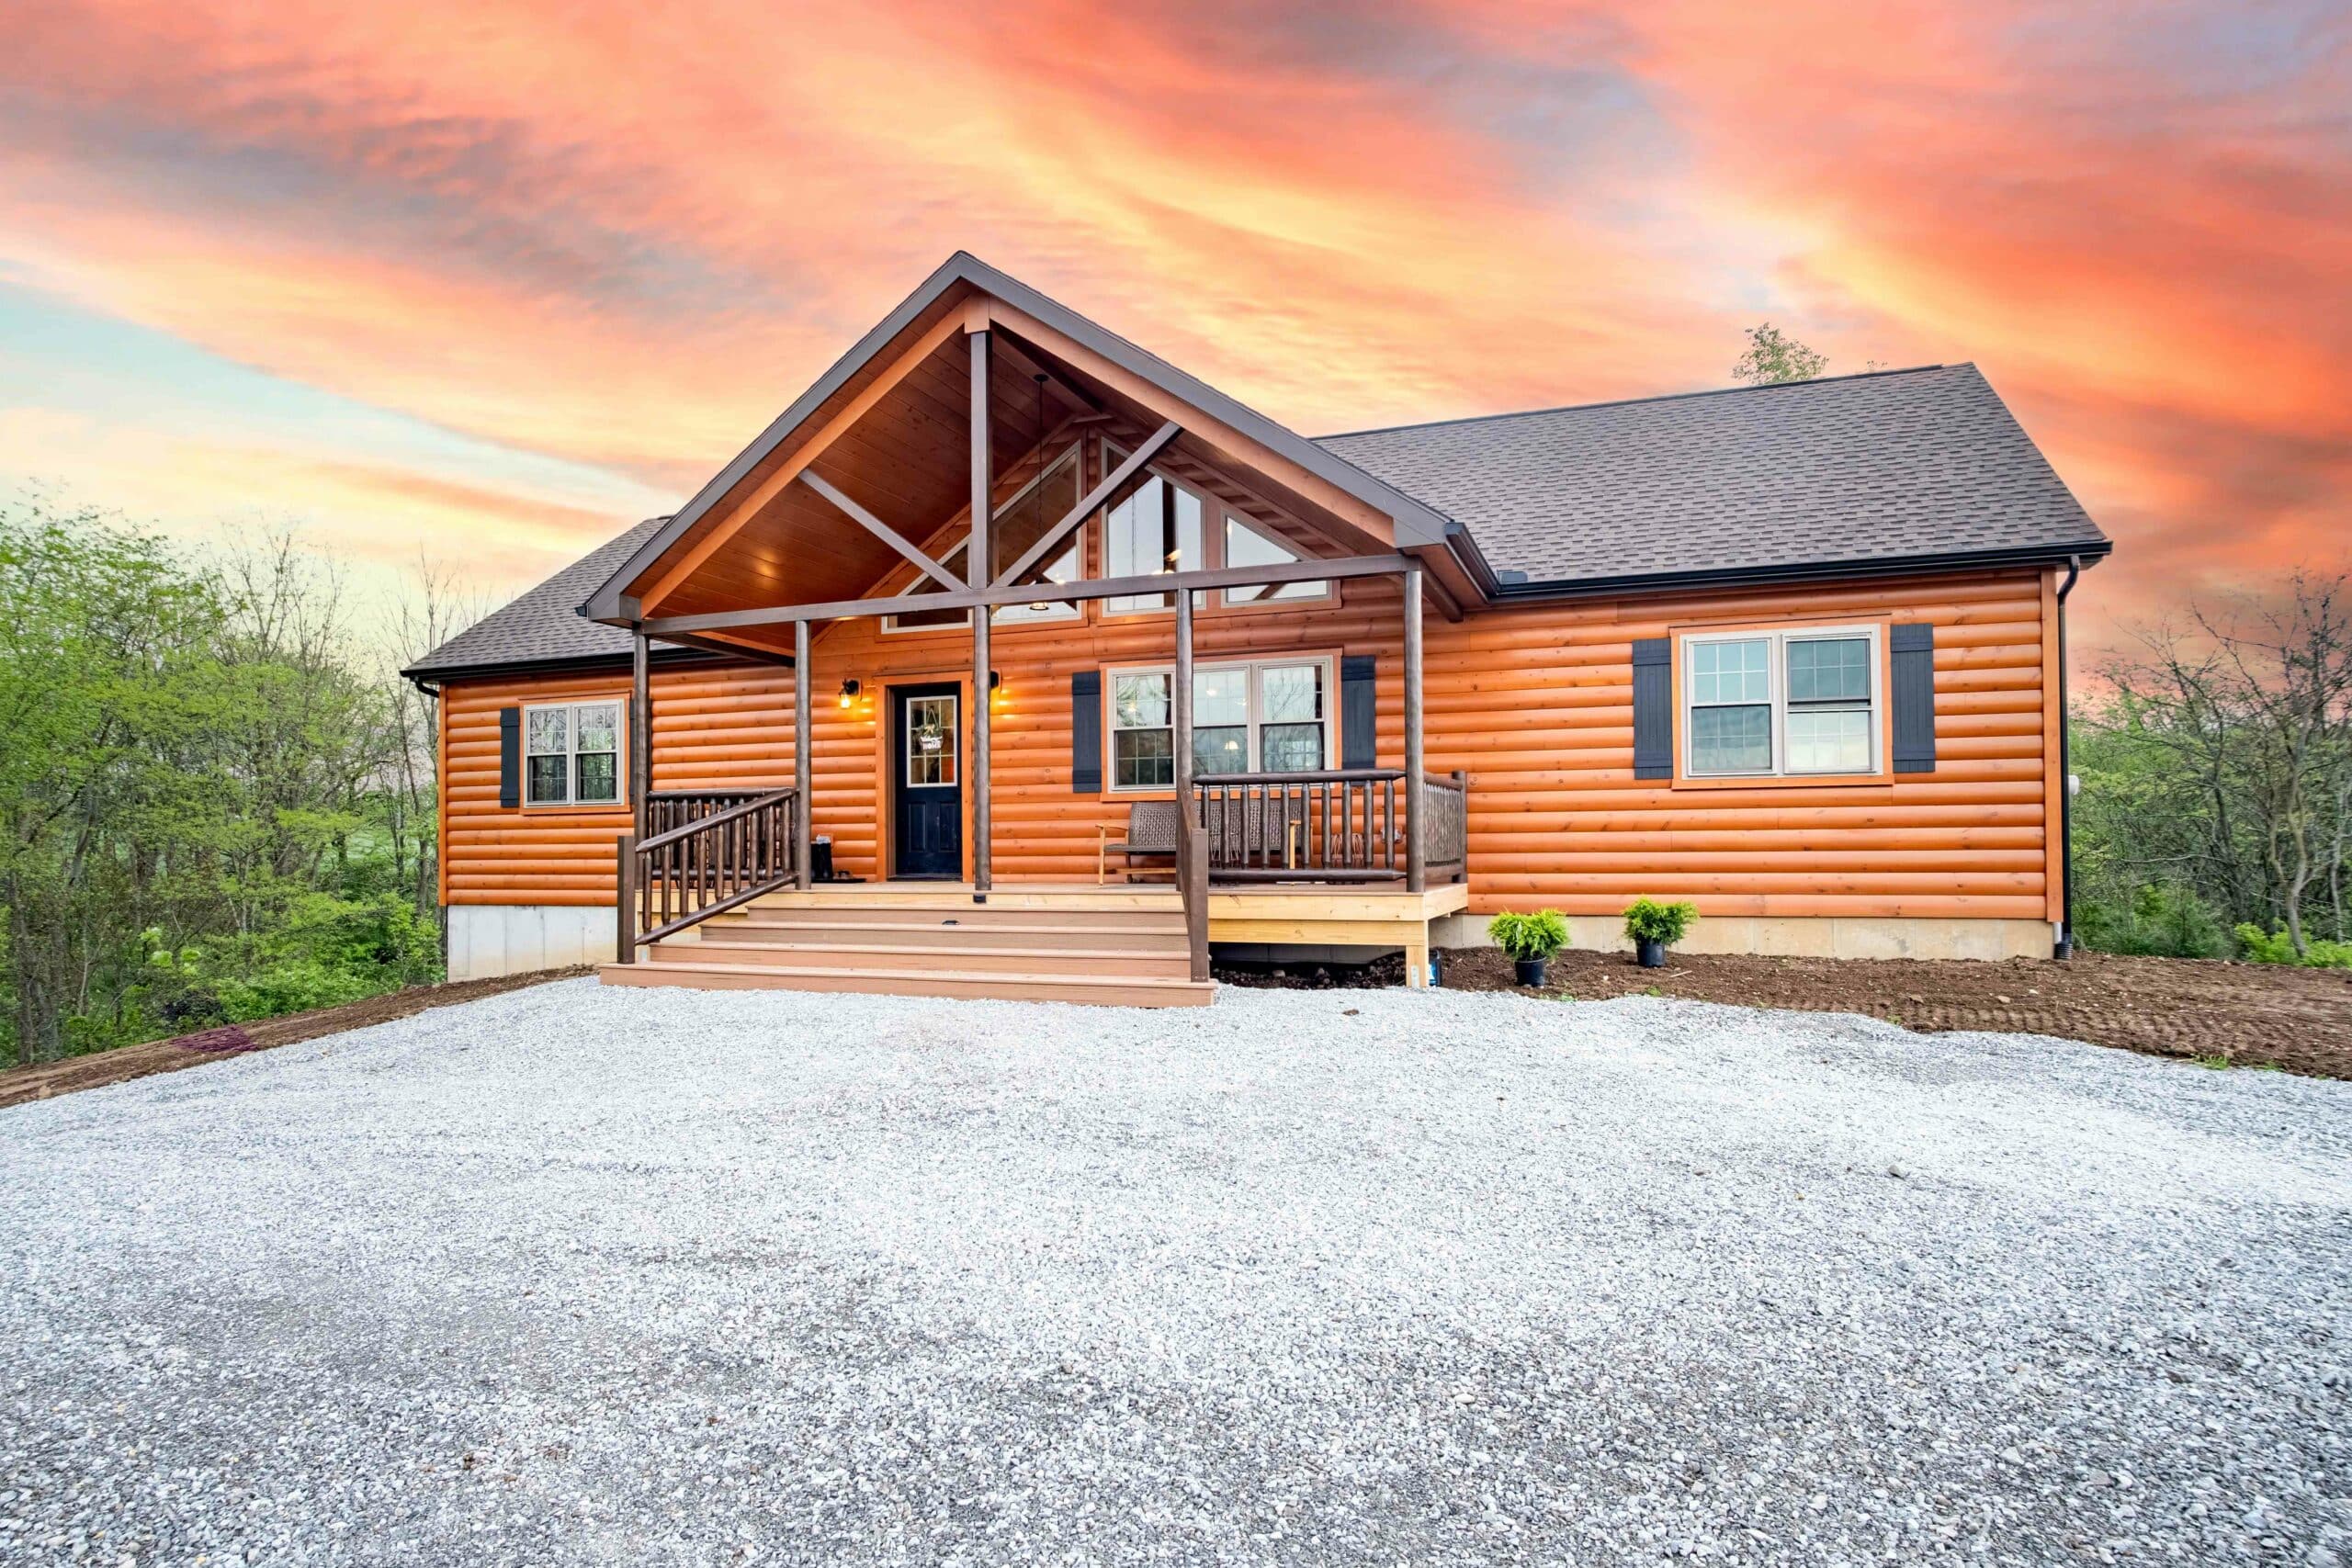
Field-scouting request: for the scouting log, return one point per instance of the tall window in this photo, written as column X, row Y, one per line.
column 1155, row 529
column 572, row 754
column 1270, row 717
column 1797, row 702
column 1016, row 525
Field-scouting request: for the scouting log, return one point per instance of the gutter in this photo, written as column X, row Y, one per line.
column 2064, row 945
column 1514, row 588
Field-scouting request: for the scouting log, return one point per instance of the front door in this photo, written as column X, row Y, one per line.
column 926, row 766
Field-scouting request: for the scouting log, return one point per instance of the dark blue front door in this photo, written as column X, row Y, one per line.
column 926, row 765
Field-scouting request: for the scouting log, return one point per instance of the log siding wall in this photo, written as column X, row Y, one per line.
column 1534, row 702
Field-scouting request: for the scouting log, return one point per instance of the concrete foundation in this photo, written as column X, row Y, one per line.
column 1789, row 937
column 512, row 939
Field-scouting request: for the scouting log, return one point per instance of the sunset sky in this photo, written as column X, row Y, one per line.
column 491, row 281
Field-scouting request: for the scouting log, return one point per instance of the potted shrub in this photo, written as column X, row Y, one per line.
column 1654, row 927
column 1530, row 940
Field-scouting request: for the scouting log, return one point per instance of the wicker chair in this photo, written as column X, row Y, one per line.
column 1151, row 836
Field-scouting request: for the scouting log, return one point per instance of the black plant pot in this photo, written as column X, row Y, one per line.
column 1650, row 952
column 1530, row 970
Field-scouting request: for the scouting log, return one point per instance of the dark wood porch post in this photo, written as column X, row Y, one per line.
column 1191, row 849
column 640, row 733
column 803, row 720
column 977, row 564
column 1417, row 852
column 1180, row 696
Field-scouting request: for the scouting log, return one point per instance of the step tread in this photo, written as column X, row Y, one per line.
column 992, row 976
column 707, row 945
column 925, row 982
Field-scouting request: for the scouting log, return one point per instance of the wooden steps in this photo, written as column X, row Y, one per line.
column 1116, row 946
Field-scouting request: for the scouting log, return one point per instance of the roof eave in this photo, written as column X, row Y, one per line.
column 2088, row 551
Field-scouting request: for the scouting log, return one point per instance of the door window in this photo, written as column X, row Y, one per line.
column 931, row 742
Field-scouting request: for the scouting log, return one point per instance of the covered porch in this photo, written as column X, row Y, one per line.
column 1306, row 815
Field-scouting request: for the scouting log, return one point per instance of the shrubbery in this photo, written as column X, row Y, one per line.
column 2161, row 921
column 2278, row 947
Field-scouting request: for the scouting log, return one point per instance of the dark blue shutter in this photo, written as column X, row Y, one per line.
column 1912, row 703
column 510, row 757
column 1359, row 711
column 1654, row 708
column 1086, row 732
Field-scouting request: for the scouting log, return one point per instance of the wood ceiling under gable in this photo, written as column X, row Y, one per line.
column 905, row 459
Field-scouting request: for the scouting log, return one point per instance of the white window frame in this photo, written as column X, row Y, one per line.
column 571, row 753
column 1255, row 723
column 1777, row 640
column 1215, row 516
column 1010, row 614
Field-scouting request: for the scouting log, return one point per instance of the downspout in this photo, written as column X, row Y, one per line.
column 2065, row 944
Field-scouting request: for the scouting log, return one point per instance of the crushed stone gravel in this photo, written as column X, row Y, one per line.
column 579, row 1274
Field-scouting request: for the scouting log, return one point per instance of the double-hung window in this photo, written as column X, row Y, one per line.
column 573, row 754
column 1272, row 717
column 1776, row 703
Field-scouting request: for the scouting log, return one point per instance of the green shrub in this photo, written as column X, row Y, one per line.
column 1646, row 920
column 2277, row 947
column 1530, row 938
column 2163, row 921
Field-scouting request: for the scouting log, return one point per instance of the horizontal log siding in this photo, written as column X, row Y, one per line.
column 1534, row 704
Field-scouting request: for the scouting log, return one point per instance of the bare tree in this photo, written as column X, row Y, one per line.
column 2253, row 700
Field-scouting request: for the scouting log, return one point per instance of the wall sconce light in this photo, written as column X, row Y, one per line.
column 996, row 678
column 850, row 689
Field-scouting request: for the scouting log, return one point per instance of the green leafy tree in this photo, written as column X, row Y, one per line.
column 214, row 802
column 1772, row 356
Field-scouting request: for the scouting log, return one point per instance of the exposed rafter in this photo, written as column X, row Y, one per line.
column 881, row 530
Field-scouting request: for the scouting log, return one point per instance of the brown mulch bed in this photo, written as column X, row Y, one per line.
column 18, row 1085
column 2242, row 1014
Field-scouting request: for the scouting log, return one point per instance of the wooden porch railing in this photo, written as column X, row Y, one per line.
column 711, row 861
column 1337, row 824
column 668, row 808
column 1445, row 825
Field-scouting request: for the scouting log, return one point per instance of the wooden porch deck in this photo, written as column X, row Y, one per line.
column 1119, row 944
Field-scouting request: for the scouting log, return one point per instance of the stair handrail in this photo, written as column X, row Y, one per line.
column 672, row 880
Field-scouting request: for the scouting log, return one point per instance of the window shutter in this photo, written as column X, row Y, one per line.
column 1912, row 703
column 510, row 757
column 1086, row 732
column 1654, row 708
column 1359, row 711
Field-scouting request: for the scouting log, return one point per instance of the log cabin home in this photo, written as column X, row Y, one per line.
column 906, row 698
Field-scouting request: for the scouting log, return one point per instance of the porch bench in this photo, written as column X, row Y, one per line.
column 1151, row 835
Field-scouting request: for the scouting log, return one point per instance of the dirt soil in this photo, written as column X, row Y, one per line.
column 2242, row 1014
column 2246, row 1014
column 20, row 1084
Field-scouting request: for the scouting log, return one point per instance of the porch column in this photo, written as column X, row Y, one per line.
column 977, row 564
column 803, row 720
column 641, row 732
column 1181, row 696
column 1416, row 851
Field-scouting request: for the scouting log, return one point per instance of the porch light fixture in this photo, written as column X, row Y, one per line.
column 850, row 689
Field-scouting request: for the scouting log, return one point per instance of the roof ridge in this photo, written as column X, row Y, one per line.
column 1630, row 402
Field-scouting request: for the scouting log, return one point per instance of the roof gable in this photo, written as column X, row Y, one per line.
column 964, row 277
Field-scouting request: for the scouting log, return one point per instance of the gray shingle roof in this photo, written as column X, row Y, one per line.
column 1888, row 466
column 545, row 624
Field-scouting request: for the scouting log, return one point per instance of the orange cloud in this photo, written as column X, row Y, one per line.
column 623, row 237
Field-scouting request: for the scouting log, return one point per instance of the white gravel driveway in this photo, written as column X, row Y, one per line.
column 589, row 1275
